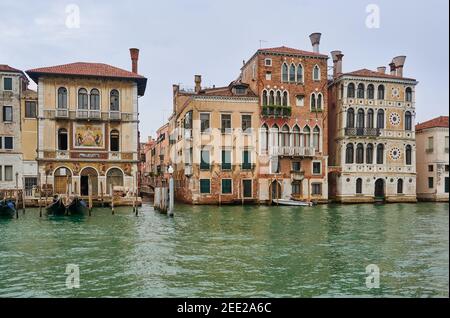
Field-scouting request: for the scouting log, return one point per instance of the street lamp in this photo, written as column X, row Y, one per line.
column 171, row 191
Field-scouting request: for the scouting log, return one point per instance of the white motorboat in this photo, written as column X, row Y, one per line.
column 291, row 202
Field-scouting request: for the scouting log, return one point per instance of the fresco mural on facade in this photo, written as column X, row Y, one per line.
column 89, row 136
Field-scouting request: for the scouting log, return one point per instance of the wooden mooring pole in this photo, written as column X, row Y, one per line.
column 90, row 195
column 23, row 195
column 112, row 198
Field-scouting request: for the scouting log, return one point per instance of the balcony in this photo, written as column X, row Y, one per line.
column 188, row 170
column 88, row 114
column 297, row 175
column 114, row 115
column 62, row 113
column 276, row 111
column 288, row 151
column 364, row 132
column 429, row 150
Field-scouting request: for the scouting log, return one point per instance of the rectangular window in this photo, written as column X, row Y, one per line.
column 205, row 186
column 9, row 143
column 430, row 144
column 30, row 182
column 300, row 100
column 446, row 168
column 226, row 160
column 247, row 187
column 246, row 123
column 296, row 187
column 7, row 113
column 30, row 109
column 226, row 124
column 430, row 168
column 1, row 142
column 316, row 189
column 7, row 84
column 246, row 160
column 446, row 185
column 204, row 123
column 430, row 182
column 268, row 76
column 226, row 186
column 296, row 166
column 1, row 171
column 204, row 160
column 268, row 62
column 317, row 167
column 240, row 90
column 8, row 173
column 446, row 144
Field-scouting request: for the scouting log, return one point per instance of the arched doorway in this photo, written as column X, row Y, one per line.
column 275, row 190
column 114, row 177
column 61, row 176
column 379, row 188
column 85, row 175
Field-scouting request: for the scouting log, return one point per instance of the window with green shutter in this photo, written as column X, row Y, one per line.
column 205, row 186
column 226, row 160
column 246, row 160
column 226, row 186
column 7, row 84
column 204, row 160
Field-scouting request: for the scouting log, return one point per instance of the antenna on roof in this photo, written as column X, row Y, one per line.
column 261, row 42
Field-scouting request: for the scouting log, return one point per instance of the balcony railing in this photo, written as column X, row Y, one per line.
column 366, row 132
column 293, row 151
column 276, row 111
column 247, row 166
column 62, row 113
column 188, row 170
column 88, row 114
column 114, row 115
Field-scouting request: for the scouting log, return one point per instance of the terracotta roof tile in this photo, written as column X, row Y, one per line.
column 7, row 68
column 288, row 50
column 368, row 73
column 441, row 121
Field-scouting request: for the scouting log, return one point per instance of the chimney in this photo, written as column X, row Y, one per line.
column 399, row 61
column 381, row 69
column 315, row 41
column 134, row 53
column 392, row 67
column 198, row 83
column 337, row 62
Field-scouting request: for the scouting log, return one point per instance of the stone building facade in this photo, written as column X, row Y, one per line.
column 372, row 143
column 291, row 86
column 88, row 126
column 432, row 139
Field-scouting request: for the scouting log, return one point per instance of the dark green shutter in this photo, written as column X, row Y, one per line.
column 205, row 186
column 226, row 186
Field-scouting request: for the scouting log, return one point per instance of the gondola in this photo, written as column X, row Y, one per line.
column 7, row 208
column 77, row 206
column 57, row 207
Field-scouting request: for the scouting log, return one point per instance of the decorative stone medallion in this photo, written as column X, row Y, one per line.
column 394, row 119
column 394, row 153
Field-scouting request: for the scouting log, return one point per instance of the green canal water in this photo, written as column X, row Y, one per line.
column 230, row 251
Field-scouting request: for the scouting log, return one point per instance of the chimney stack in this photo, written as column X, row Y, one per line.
column 381, row 69
column 134, row 53
column 315, row 41
column 198, row 83
column 399, row 62
column 337, row 62
column 392, row 67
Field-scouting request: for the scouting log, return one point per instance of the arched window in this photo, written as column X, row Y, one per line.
column 359, row 186
column 341, row 91
column 360, row 153
column 95, row 99
column 370, row 118
column 351, row 90
column 62, row 98
column 62, row 139
column 349, row 153
column 300, row 73
column 369, row 154
column 284, row 136
column 380, row 119
column 408, row 121
column 264, row 98
column 316, row 138
column 400, row 186
column 278, row 101
column 381, row 92
column 370, row 91
column 408, row 155
column 319, row 101
column 350, row 118
column 271, row 98
column 296, row 136
column 316, row 73
column 313, row 101
column 114, row 100
column 360, row 93
column 264, row 138
column 114, row 177
column 292, row 73
column 360, row 118
column 82, row 98
column 284, row 72
column 408, row 94
column 275, row 131
column 285, row 98
column 114, row 140
column 306, row 136
column 380, row 154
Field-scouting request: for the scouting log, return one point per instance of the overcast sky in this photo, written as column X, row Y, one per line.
column 181, row 38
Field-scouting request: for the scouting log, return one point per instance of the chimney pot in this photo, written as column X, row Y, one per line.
column 337, row 62
column 399, row 61
column 381, row 69
column 198, row 83
column 315, row 41
column 134, row 53
column 392, row 67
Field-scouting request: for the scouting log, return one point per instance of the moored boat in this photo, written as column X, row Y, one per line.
column 7, row 208
column 57, row 207
column 77, row 206
column 291, row 202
